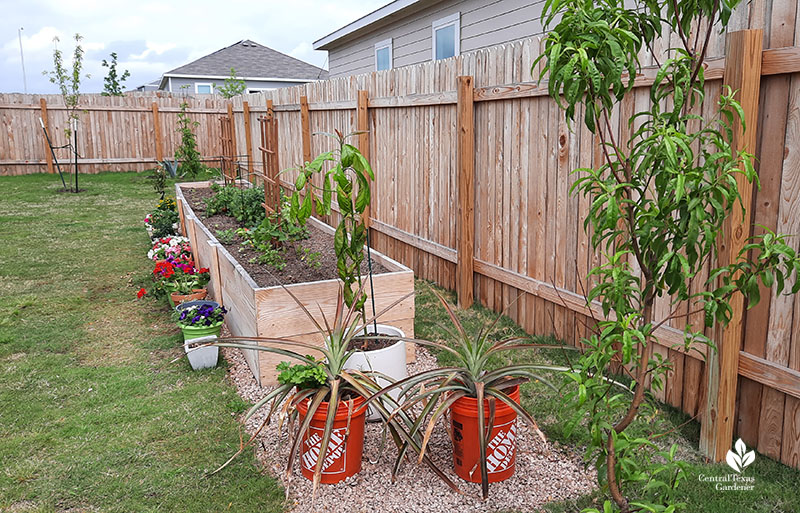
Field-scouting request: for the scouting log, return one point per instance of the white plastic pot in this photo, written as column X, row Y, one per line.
column 203, row 358
column 390, row 361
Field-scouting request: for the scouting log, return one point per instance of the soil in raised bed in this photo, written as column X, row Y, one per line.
column 296, row 270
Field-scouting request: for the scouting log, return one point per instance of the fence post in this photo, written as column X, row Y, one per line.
column 742, row 74
column 465, row 164
column 305, row 125
column 48, row 154
column 362, row 125
column 157, row 133
column 248, row 138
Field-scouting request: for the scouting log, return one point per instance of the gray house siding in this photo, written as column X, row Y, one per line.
column 251, row 84
column 482, row 25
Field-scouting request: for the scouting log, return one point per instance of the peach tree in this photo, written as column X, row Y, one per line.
column 658, row 202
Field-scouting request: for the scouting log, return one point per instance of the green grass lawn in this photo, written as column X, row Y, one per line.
column 93, row 417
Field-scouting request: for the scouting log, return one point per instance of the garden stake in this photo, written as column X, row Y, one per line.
column 371, row 287
column 53, row 152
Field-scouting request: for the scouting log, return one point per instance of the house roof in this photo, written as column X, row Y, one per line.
column 251, row 61
column 396, row 9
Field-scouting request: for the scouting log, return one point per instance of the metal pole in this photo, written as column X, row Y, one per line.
column 22, row 59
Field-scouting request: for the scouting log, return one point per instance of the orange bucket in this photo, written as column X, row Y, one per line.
column 502, row 447
column 345, row 447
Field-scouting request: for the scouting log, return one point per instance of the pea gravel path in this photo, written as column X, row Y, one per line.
column 543, row 474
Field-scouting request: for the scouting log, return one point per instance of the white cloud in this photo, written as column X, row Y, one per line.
column 154, row 36
column 153, row 48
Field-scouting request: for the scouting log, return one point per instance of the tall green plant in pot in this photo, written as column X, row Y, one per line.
column 658, row 205
column 324, row 401
column 349, row 179
column 481, row 396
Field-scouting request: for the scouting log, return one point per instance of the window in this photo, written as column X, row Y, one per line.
column 383, row 55
column 203, row 88
column 446, row 37
column 260, row 90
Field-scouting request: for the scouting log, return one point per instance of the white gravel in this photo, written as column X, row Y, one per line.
column 543, row 474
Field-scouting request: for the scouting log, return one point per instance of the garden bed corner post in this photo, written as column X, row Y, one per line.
column 742, row 74
column 465, row 224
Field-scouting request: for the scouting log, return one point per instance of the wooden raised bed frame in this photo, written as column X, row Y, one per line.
column 270, row 311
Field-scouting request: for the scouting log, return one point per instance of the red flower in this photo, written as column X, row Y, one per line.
column 165, row 269
column 141, row 293
column 203, row 270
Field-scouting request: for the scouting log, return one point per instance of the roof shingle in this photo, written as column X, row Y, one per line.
column 251, row 60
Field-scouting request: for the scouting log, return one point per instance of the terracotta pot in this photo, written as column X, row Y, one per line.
column 176, row 298
column 502, row 447
column 343, row 458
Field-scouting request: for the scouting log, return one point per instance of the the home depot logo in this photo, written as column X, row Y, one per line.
column 500, row 450
column 335, row 458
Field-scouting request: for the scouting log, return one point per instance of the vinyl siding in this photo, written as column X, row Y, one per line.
column 251, row 84
column 483, row 24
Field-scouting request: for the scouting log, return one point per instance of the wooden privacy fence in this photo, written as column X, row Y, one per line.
column 115, row 133
column 473, row 166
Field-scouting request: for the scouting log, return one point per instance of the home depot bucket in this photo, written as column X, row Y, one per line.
column 343, row 457
column 502, row 447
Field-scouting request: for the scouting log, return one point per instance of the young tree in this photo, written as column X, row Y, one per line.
column 112, row 85
column 658, row 204
column 232, row 86
column 187, row 154
column 69, row 84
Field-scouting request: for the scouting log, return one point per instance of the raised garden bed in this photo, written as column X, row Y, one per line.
column 269, row 311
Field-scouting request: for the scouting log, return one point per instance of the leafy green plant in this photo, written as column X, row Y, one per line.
column 349, row 178
column 112, row 83
column 159, row 179
column 226, row 236
column 339, row 386
column 243, row 204
column 187, row 153
column 311, row 258
column 302, row 375
column 471, row 375
column 658, row 205
column 164, row 222
column 233, row 86
column 69, row 84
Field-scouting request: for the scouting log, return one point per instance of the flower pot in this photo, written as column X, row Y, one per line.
column 203, row 358
column 176, row 298
column 345, row 448
column 502, row 447
column 390, row 361
column 196, row 302
column 190, row 332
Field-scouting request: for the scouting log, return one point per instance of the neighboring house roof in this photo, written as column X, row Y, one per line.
column 396, row 9
column 251, row 61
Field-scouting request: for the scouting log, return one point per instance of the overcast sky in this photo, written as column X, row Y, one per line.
column 152, row 37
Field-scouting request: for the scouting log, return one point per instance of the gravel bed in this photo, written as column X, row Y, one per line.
column 543, row 473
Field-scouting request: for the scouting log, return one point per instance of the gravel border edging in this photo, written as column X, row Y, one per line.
column 543, row 474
